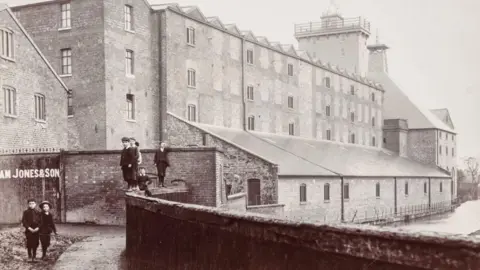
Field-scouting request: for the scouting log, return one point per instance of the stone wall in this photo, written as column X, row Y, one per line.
column 196, row 237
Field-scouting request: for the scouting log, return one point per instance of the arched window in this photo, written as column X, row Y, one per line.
column 326, row 192
column 303, row 193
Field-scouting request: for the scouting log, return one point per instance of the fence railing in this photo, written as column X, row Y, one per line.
column 331, row 24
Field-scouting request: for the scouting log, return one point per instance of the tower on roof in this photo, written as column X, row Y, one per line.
column 377, row 59
column 337, row 40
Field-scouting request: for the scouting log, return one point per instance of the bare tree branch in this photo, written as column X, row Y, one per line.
column 472, row 168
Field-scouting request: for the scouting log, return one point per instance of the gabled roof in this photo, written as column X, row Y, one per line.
column 216, row 21
column 173, row 6
column 444, row 115
column 194, row 12
column 288, row 48
column 304, row 55
column 4, row 7
column 397, row 105
column 277, row 46
column 264, row 41
column 233, row 28
column 248, row 35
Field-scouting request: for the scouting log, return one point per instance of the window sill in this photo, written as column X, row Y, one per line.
column 65, row 75
column 303, row 203
column 8, row 58
column 130, row 76
column 346, row 200
column 250, row 100
column 41, row 121
column 69, row 116
column 378, row 198
column 250, row 64
column 131, row 120
column 191, row 44
column 326, row 201
column 11, row 116
column 191, row 87
column 129, row 31
column 64, row 29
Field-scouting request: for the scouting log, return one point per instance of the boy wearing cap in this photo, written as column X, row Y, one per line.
column 144, row 181
column 47, row 226
column 135, row 145
column 31, row 222
column 127, row 161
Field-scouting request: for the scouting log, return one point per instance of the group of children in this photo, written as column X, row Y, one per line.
column 134, row 175
column 38, row 226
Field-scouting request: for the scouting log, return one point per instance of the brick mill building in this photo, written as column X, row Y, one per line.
column 33, row 104
column 323, row 126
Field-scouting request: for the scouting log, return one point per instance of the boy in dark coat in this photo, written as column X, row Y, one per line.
column 144, row 181
column 31, row 222
column 161, row 162
column 135, row 145
column 46, row 227
column 128, row 160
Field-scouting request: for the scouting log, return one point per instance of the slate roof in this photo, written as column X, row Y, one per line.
column 397, row 105
column 443, row 115
column 297, row 156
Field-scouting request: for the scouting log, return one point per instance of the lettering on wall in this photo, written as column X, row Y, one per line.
column 30, row 173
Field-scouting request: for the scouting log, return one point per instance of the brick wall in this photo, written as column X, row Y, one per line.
column 238, row 165
column 28, row 74
column 204, row 238
column 422, row 146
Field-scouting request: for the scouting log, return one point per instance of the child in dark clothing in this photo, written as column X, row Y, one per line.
column 144, row 181
column 31, row 222
column 46, row 227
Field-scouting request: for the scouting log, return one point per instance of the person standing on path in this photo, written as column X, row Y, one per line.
column 161, row 162
column 31, row 222
column 46, row 227
column 127, row 160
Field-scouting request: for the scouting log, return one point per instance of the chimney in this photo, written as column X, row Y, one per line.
column 377, row 59
column 395, row 132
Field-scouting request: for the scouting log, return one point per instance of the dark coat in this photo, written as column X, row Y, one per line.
column 31, row 218
column 161, row 161
column 47, row 226
column 128, row 157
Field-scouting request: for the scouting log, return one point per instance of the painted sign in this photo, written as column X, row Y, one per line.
column 30, row 173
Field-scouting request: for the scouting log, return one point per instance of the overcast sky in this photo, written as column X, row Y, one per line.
column 435, row 45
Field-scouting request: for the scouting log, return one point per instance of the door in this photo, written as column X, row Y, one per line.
column 253, row 186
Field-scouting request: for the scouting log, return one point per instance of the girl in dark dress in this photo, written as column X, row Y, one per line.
column 46, row 227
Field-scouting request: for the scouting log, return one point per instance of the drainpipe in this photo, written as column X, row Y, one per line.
column 342, row 206
column 244, row 107
column 161, row 80
column 429, row 193
column 395, row 194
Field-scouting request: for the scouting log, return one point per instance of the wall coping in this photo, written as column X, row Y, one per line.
column 265, row 206
column 426, row 249
column 170, row 149
column 236, row 196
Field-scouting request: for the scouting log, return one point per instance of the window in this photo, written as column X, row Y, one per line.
column 446, row 136
column 453, row 137
column 329, row 134
column 352, row 90
column 446, row 151
column 66, row 61
column 346, row 191
column 440, row 134
column 70, row 103
column 453, row 152
column 290, row 70
column 425, row 190
column 250, row 57
column 128, row 18
column 373, row 96
column 352, row 116
column 374, row 143
column 130, row 107
column 440, row 149
column 384, row 140
column 441, row 187
column 303, row 193
column 129, row 62
column 326, row 192
column 327, row 110
column 291, row 129
column 40, row 107
column 290, row 102
column 352, row 138
column 327, row 82
column 191, row 36
column 250, row 94
column 7, row 44
column 377, row 190
column 251, row 122
column 191, row 78
column 10, row 100
column 66, row 16
column 373, row 121
column 192, row 113
column 406, row 188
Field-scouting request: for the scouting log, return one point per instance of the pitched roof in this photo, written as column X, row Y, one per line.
column 397, row 105
column 4, row 7
column 444, row 115
column 297, row 156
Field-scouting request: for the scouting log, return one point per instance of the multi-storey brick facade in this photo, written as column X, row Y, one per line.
column 33, row 107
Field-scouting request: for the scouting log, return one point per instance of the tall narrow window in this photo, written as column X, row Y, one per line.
column 329, row 134
column 377, row 190
column 352, row 138
column 290, row 70
column 290, row 102
column 346, row 191
column 326, row 192
column 352, row 90
column 327, row 82
column 191, row 78
column 40, row 107
column 250, row 57
column 130, row 107
column 250, row 93
column 441, row 187
column 425, row 189
column 303, row 193
column 352, row 116
column 373, row 96
column 439, row 149
column 7, row 44
column 453, row 152
column 191, row 36
column 66, row 61
column 129, row 62
column 66, row 16
column 70, row 103
column 374, row 143
column 327, row 110
column 291, row 129
column 251, row 122
column 406, row 188
column 446, row 150
column 10, row 100
column 128, row 18
column 373, row 121
column 192, row 113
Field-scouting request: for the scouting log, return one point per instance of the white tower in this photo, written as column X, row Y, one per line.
column 337, row 40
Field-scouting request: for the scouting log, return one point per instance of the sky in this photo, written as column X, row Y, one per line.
column 434, row 45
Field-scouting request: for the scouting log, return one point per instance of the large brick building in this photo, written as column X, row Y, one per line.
column 168, row 72
column 33, row 106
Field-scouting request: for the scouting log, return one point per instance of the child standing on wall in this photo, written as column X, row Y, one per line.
column 161, row 162
column 46, row 227
column 127, row 160
column 134, row 144
column 31, row 222
column 144, row 181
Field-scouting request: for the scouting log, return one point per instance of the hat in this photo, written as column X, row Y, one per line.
column 132, row 138
column 45, row 202
column 125, row 139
